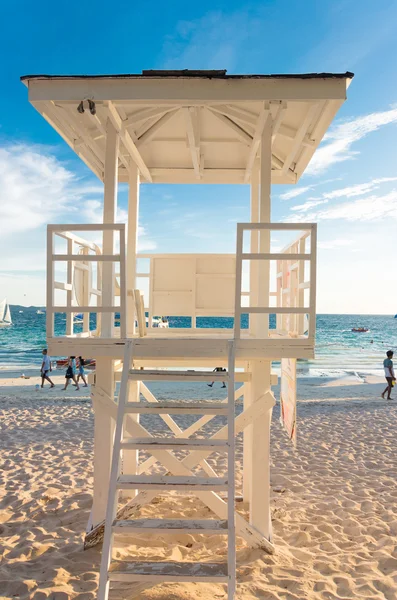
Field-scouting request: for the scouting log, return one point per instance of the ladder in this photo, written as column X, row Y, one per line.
column 168, row 572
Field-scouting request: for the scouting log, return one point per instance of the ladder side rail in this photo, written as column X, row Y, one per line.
column 111, row 509
column 123, row 286
column 312, row 289
column 231, row 550
column 239, row 268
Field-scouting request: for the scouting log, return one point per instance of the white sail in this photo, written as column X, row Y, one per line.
column 7, row 317
column 2, row 309
column 5, row 314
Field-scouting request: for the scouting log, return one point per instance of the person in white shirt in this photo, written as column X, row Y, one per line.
column 45, row 369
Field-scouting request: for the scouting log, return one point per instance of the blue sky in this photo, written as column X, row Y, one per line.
column 350, row 188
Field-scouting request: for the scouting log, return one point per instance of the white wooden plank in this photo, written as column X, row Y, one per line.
column 266, row 310
column 152, row 375
column 58, row 227
column 172, row 526
column 173, row 444
column 175, row 408
column 87, row 257
column 171, row 482
column 170, row 572
column 275, row 256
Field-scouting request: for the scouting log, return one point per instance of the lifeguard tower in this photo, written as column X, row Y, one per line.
column 191, row 127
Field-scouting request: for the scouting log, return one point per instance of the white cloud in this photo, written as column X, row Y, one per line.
column 295, row 192
column 359, row 189
column 371, row 208
column 308, row 205
column 332, row 244
column 36, row 188
column 343, row 135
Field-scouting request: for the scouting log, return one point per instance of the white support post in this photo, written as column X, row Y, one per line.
column 253, row 322
column 265, row 217
column 109, row 216
column 50, row 323
column 260, row 516
column 104, row 427
column 261, row 369
column 132, row 245
column 69, row 293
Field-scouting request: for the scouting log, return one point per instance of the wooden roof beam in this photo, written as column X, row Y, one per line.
column 151, row 132
column 193, row 136
column 264, row 115
column 278, row 111
column 68, row 133
column 299, row 137
column 241, row 133
column 128, row 141
column 236, row 113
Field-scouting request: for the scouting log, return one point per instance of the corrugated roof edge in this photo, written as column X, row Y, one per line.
column 196, row 74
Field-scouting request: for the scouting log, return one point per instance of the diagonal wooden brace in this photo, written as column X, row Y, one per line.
column 253, row 537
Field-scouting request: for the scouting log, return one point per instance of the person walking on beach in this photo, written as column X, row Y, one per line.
column 46, row 369
column 81, row 372
column 389, row 374
column 71, row 373
column 218, row 369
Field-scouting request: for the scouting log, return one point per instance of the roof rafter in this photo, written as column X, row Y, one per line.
column 242, row 134
column 128, row 141
column 151, row 132
column 193, row 136
column 260, row 124
column 236, row 113
column 85, row 151
column 147, row 113
column 300, row 134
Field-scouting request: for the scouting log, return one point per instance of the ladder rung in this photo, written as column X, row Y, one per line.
column 169, row 482
column 174, row 408
column 169, row 572
column 173, row 443
column 163, row 375
column 164, row 526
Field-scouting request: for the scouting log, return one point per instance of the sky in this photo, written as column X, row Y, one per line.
column 349, row 188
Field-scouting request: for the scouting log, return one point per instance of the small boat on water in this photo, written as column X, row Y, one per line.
column 360, row 329
column 40, row 312
column 5, row 314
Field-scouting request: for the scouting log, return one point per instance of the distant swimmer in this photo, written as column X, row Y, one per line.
column 389, row 374
column 218, row 370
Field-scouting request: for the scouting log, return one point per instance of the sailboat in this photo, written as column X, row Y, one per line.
column 5, row 314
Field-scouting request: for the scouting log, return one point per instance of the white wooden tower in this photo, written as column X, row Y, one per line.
column 192, row 127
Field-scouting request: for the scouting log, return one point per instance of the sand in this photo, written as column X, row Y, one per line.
column 334, row 502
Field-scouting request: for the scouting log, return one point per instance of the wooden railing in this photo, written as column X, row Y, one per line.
column 290, row 307
column 79, row 286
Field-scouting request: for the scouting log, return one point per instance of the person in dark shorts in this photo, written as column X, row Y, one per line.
column 81, row 371
column 71, row 373
column 46, row 369
column 389, row 374
column 217, row 370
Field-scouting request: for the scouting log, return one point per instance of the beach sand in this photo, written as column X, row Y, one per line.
column 334, row 502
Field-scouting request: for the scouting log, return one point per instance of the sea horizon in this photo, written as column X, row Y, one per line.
column 339, row 351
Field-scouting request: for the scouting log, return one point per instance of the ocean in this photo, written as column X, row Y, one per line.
column 338, row 349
